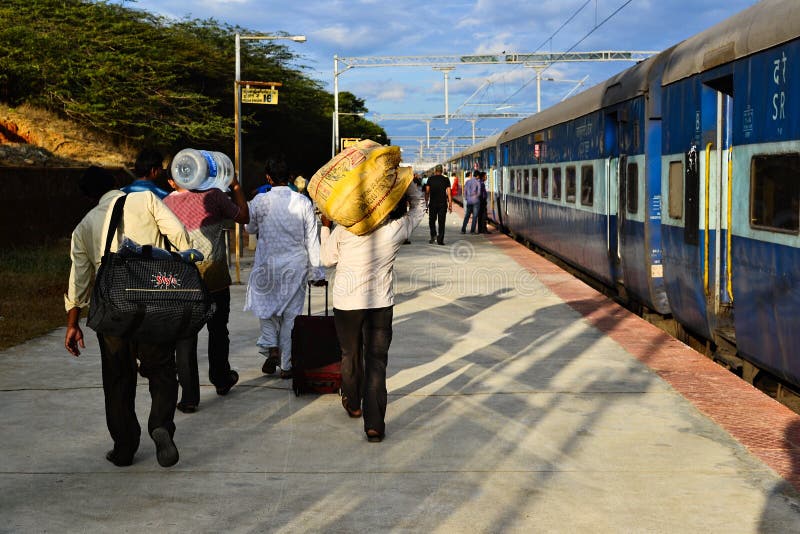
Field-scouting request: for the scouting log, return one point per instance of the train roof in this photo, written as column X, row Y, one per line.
column 762, row 26
column 489, row 142
column 623, row 86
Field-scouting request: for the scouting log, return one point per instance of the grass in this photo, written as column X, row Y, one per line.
column 34, row 282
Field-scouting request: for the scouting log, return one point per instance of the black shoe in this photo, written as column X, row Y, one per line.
column 286, row 374
column 440, row 242
column 373, row 436
column 117, row 460
column 186, row 407
column 463, row 231
column 431, row 241
column 406, row 242
column 223, row 390
column 270, row 365
column 166, row 451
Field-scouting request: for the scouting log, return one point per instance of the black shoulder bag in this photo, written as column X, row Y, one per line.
column 145, row 298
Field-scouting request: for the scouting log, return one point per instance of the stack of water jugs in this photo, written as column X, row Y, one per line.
column 201, row 169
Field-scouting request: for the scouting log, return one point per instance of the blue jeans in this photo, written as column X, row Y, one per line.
column 471, row 209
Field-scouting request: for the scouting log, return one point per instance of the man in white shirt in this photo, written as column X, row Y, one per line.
column 287, row 256
column 363, row 306
column 145, row 220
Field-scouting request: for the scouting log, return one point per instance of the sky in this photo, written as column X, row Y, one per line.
column 380, row 28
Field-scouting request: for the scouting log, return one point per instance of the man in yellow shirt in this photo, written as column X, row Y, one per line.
column 145, row 220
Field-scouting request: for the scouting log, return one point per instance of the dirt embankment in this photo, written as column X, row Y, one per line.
column 31, row 137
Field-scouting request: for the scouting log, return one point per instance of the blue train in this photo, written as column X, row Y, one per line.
column 676, row 183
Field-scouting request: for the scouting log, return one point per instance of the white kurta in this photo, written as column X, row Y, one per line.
column 287, row 253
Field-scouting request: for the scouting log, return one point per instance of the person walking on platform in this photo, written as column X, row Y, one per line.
column 287, row 256
column 482, row 212
column 472, row 189
column 363, row 306
column 146, row 220
column 439, row 202
column 149, row 167
column 205, row 215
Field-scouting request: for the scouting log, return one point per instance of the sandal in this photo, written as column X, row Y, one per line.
column 373, row 436
column 352, row 413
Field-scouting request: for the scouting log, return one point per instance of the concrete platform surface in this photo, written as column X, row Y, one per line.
column 520, row 400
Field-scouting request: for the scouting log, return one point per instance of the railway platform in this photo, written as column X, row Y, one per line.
column 520, row 400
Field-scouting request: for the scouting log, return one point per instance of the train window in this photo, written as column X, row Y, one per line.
column 545, row 183
column 570, row 184
column 775, row 192
column 511, row 186
column 526, row 185
column 676, row 189
column 556, row 183
column 519, row 180
column 587, row 185
column 535, row 182
column 633, row 188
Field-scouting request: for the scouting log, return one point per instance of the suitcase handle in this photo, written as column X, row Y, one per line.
column 325, row 285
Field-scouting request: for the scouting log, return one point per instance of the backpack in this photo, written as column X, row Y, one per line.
column 156, row 300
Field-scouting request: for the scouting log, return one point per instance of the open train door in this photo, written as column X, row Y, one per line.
column 716, row 174
column 501, row 175
column 614, row 186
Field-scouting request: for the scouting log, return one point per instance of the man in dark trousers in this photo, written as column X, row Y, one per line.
column 439, row 202
column 147, row 221
column 206, row 214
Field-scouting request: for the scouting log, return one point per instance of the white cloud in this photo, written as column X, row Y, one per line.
column 345, row 38
column 392, row 93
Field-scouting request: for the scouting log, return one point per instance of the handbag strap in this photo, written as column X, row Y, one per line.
column 116, row 216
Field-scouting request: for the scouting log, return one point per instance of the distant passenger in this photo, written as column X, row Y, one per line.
column 482, row 207
column 149, row 167
column 300, row 183
column 439, row 201
column 472, row 194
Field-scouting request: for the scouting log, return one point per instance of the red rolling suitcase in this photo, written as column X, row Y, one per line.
column 316, row 355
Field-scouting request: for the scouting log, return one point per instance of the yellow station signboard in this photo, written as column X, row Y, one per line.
column 259, row 95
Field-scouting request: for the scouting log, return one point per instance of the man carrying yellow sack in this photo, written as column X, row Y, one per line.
column 363, row 296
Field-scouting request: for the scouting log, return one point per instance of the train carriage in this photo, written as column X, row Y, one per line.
column 731, row 178
column 677, row 182
column 582, row 180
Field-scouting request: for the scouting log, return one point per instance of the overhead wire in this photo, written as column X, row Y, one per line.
column 571, row 48
column 549, row 39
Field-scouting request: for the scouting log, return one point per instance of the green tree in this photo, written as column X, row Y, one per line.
column 142, row 79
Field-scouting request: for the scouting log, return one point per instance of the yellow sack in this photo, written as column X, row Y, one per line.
column 360, row 186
